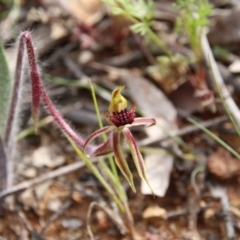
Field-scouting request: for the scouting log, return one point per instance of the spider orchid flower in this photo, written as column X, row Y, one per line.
column 120, row 119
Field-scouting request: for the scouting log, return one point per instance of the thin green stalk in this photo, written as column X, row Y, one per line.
column 132, row 19
column 153, row 150
column 111, row 160
column 153, row 35
column 96, row 107
column 157, row 40
column 189, row 156
column 97, row 174
column 117, row 183
column 215, row 137
column 175, row 138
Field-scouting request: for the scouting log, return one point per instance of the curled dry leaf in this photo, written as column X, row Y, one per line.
column 44, row 156
column 155, row 211
column 223, row 165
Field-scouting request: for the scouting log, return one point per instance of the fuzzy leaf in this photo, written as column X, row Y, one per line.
column 11, row 123
column 3, row 166
column 120, row 159
column 5, row 90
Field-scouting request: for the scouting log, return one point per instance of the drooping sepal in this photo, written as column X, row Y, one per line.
column 137, row 156
column 103, row 149
column 120, row 159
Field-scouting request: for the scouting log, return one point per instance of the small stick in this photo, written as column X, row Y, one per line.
column 209, row 58
column 50, row 175
column 184, row 131
column 221, row 193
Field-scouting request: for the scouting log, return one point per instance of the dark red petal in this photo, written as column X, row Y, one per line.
column 94, row 135
column 120, row 159
column 137, row 156
column 103, row 149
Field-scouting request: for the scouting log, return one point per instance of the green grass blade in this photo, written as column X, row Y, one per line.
column 105, row 94
column 96, row 108
column 5, row 90
column 97, row 174
column 215, row 137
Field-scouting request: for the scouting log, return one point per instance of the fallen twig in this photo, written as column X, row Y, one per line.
column 184, row 131
column 209, row 58
column 50, row 175
column 221, row 193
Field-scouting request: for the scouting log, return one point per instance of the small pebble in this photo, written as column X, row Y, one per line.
column 72, row 223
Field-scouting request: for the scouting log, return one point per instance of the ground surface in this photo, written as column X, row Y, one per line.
column 203, row 197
